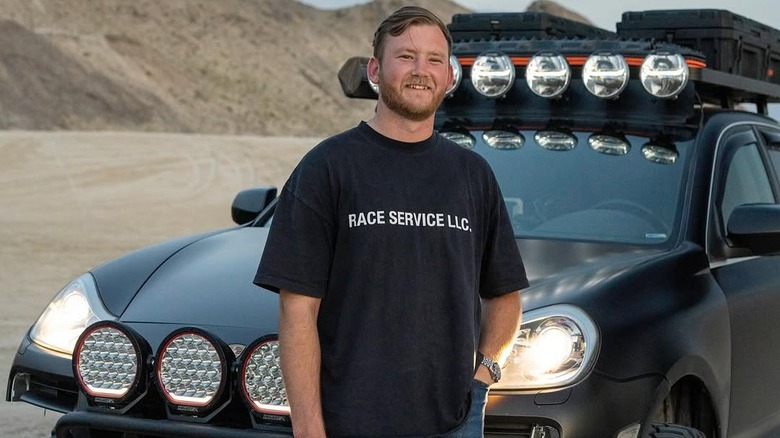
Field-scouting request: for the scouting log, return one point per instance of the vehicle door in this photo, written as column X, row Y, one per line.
column 744, row 174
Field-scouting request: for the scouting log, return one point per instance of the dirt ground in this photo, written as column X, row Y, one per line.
column 69, row 201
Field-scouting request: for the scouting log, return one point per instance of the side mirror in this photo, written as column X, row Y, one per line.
column 249, row 203
column 353, row 77
column 756, row 227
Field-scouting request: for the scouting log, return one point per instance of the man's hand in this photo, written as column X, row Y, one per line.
column 299, row 349
column 500, row 321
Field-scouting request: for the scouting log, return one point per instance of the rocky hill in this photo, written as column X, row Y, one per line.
column 263, row 67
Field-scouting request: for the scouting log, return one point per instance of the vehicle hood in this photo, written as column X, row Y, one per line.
column 585, row 274
column 209, row 283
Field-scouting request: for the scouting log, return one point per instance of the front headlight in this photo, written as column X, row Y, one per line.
column 73, row 309
column 556, row 346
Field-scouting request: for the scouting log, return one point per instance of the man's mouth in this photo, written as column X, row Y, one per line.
column 418, row 87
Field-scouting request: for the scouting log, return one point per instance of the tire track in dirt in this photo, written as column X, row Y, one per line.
column 72, row 200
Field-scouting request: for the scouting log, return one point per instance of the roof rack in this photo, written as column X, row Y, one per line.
column 731, row 59
column 743, row 55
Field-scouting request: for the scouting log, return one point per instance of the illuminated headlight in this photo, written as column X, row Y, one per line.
column 457, row 75
column 73, row 309
column 108, row 363
column 664, row 74
column 548, row 75
column 555, row 140
column 556, row 346
column 192, row 370
column 461, row 138
column 503, row 139
column 605, row 75
column 261, row 378
column 493, row 74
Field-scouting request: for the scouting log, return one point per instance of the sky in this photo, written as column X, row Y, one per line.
column 605, row 13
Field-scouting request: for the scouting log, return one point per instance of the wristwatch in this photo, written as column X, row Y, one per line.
column 493, row 367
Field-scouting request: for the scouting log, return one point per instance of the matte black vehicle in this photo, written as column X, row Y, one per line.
column 646, row 206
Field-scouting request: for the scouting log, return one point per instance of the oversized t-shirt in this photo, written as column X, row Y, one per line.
column 400, row 241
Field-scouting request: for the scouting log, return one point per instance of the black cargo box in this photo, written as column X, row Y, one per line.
column 731, row 43
column 487, row 26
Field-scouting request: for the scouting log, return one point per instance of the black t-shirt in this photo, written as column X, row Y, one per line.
column 399, row 240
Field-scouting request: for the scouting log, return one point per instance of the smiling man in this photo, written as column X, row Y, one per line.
column 395, row 261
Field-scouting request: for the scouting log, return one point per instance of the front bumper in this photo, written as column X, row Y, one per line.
column 598, row 407
column 132, row 426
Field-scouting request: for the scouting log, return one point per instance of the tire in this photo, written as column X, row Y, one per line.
column 665, row 430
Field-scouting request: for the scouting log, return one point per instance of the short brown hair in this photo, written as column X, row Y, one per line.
column 402, row 19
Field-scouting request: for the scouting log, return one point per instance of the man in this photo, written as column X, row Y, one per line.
column 395, row 260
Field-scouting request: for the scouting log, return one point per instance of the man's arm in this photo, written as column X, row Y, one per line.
column 299, row 349
column 500, row 321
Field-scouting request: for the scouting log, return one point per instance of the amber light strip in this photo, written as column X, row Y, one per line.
column 579, row 61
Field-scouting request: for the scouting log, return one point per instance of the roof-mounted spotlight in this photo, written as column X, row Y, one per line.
column 503, row 139
column 457, row 75
column 605, row 74
column 548, row 74
column 664, row 74
column 493, row 74
column 462, row 139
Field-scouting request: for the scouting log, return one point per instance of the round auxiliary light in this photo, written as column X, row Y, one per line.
column 457, row 75
column 261, row 378
column 605, row 75
column 548, row 75
column 503, row 139
column 108, row 364
column 462, row 139
column 555, row 140
column 664, row 75
column 374, row 86
column 493, row 74
column 192, row 370
column 608, row 144
column 659, row 154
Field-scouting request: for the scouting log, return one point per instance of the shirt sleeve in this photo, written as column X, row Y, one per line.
column 298, row 254
column 502, row 270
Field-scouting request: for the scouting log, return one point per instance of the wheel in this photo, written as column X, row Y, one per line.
column 665, row 430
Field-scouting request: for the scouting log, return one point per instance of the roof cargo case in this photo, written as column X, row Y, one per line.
column 486, row 26
column 731, row 43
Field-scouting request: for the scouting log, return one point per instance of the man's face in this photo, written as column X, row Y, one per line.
column 414, row 72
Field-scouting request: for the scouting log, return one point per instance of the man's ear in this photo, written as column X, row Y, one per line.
column 372, row 70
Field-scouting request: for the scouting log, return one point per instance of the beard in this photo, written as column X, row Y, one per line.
column 395, row 101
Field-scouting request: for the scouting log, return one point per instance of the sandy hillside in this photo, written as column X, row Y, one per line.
column 73, row 200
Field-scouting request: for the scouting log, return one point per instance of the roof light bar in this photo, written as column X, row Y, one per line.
column 605, row 74
column 500, row 139
column 493, row 74
column 457, row 75
column 548, row 75
column 664, row 74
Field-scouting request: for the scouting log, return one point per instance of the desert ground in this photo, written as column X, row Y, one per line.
column 71, row 200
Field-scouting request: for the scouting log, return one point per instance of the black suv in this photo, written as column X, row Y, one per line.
column 640, row 172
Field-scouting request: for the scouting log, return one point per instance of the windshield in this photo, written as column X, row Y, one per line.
column 582, row 186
